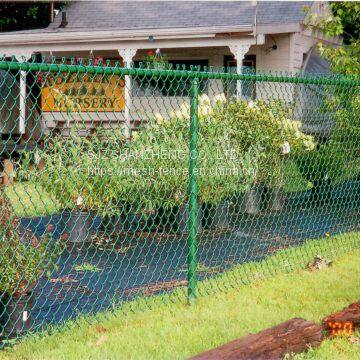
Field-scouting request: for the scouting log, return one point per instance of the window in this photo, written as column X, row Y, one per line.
column 152, row 86
column 249, row 67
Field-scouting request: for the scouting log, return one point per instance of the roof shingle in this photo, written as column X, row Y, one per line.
column 135, row 15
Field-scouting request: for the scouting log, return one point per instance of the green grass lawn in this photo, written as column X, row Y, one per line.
column 174, row 330
column 30, row 199
column 341, row 348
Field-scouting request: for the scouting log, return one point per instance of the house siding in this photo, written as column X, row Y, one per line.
column 274, row 60
column 302, row 44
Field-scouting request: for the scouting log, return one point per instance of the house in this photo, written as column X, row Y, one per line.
column 242, row 36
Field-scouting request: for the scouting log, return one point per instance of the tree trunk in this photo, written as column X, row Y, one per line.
column 293, row 336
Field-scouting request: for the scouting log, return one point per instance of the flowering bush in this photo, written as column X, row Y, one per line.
column 240, row 143
column 242, row 126
column 268, row 125
column 155, row 60
column 219, row 175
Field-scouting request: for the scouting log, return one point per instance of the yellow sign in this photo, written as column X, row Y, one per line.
column 83, row 93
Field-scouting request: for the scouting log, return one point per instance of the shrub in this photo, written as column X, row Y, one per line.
column 159, row 160
column 344, row 141
column 22, row 260
column 269, row 127
column 337, row 159
column 239, row 143
column 71, row 172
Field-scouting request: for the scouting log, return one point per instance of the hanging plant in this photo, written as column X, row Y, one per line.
column 98, row 61
column 156, row 60
column 152, row 60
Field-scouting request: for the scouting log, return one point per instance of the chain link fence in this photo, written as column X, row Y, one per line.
column 123, row 183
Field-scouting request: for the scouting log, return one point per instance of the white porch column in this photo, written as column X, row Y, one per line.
column 239, row 52
column 127, row 56
column 22, row 57
column 22, row 102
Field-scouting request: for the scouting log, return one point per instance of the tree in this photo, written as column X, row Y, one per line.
column 337, row 158
column 17, row 16
column 348, row 13
column 344, row 21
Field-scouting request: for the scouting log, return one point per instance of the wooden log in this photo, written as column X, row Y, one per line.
column 293, row 336
column 343, row 322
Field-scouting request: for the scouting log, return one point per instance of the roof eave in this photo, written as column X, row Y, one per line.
column 31, row 37
column 279, row 28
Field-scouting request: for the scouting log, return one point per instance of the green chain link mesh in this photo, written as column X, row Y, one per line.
column 123, row 183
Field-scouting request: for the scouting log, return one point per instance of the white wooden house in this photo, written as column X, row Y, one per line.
column 264, row 36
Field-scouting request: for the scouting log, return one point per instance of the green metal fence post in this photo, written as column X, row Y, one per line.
column 193, row 191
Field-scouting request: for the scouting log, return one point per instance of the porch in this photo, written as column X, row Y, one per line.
column 137, row 103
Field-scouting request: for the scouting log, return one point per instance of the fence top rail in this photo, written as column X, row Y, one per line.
column 106, row 69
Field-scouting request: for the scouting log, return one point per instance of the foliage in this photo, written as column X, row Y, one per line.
column 338, row 158
column 86, row 267
column 339, row 348
column 70, row 168
column 316, row 165
column 23, row 259
column 240, row 143
column 344, row 59
column 154, row 84
column 348, row 13
column 294, row 180
column 29, row 199
column 25, row 15
column 344, row 139
column 155, row 60
column 268, row 126
column 220, row 171
column 344, row 20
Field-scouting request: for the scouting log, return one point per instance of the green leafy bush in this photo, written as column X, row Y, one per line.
column 337, row 159
column 22, row 260
column 240, row 144
column 158, row 159
column 268, row 126
column 344, row 141
column 71, row 172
